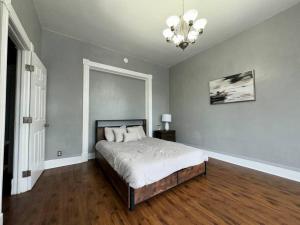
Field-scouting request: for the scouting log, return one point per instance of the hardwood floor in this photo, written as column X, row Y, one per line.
column 229, row 194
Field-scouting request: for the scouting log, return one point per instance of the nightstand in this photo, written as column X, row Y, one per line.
column 169, row 135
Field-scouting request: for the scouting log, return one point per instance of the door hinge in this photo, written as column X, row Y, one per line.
column 26, row 173
column 29, row 68
column 27, row 119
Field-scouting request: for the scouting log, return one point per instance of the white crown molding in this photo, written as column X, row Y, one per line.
column 262, row 167
column 121, row 53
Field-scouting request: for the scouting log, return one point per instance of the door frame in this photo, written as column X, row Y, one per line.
column 11, row 26
column 95, row 66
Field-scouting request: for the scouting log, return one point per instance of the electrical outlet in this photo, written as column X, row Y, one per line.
column 59, row 153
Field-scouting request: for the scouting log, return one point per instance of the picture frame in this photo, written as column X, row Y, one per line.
column 233, row 88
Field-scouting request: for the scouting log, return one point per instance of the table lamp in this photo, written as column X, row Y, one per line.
column 166, row 118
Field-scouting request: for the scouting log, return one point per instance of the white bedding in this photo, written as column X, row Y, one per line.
column 149, row 159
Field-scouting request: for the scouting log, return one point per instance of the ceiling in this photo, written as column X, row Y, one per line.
column 134, row 27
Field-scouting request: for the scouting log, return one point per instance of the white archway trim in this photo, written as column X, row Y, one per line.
column 11, row 25
column 17, row 31
column 87, row 67
column 4, row 15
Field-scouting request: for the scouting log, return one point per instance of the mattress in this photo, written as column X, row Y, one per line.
column 148, row 160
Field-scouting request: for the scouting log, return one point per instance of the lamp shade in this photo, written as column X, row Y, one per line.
column 166, row 118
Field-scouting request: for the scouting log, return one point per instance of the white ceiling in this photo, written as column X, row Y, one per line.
column 134, row 27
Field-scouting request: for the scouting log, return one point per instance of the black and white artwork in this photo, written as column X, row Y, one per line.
column 235, row 88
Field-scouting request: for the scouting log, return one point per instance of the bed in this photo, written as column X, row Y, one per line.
column 126, row 165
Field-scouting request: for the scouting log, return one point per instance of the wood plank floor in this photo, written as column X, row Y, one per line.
column 229, row 194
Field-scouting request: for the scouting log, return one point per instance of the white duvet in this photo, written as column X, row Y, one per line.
column 149, row 160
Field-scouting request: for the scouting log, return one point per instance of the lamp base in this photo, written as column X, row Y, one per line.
column 167, row 126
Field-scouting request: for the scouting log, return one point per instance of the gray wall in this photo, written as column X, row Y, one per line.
column 63, row 59
column 114, row 97
column 29, row 19
column 265, row 130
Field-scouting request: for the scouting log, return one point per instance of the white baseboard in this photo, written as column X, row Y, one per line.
column 263, row 167
column 54, row 163
column 14, row 187
column 91, row 155
column 266, row 168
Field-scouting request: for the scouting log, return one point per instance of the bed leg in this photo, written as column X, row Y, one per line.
column 205, row 168
column 131, row 199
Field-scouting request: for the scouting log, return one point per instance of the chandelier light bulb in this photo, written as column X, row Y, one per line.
column 192, row 36
column 172, row 21
column 168, row 34
column 200, row 24
column 190, row 16
column 177, row 39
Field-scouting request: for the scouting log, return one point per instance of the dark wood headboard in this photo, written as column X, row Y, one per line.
column 101, row 124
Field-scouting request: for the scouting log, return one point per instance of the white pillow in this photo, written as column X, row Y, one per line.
column 109, row 134
column 119, row 133
column 138, row 130
column 134, row 130
column 141, row 131
column 130, row 137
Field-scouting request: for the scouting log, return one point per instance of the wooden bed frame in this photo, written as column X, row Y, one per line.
column 128, row 194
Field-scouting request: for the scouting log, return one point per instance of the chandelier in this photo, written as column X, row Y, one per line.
column 184, row 29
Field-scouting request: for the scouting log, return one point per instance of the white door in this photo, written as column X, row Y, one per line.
column 38, row 86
